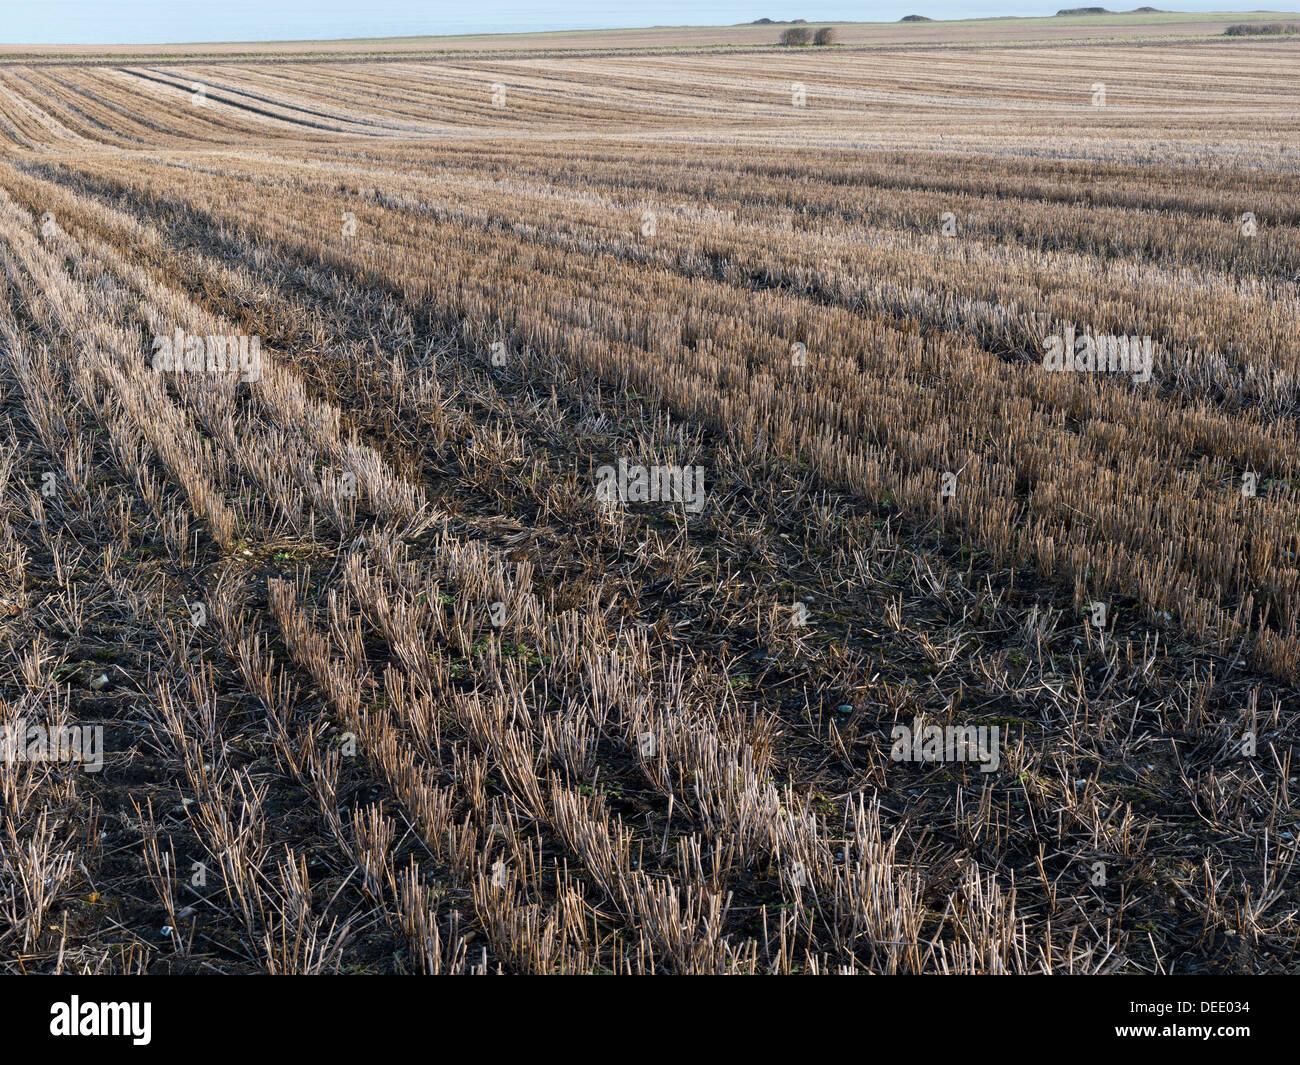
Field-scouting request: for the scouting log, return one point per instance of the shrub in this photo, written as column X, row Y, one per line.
column 825, row 35
column 796, row 35
column 1252, row 29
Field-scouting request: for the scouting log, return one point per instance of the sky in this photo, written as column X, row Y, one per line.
column 184, row 21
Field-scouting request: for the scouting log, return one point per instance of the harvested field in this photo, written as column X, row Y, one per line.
column 325, row 388
column 976, row 31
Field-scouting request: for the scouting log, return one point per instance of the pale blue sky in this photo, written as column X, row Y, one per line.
column 166, row 21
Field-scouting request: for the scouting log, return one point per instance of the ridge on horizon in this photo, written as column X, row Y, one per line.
column 946, row 13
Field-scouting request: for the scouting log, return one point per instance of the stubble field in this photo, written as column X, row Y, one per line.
column 387, row 684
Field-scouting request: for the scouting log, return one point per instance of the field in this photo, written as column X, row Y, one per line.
column 1027, row 31
column 315, row 371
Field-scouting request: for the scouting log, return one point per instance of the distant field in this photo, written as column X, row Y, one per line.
column 529, row 513
column 849, row 34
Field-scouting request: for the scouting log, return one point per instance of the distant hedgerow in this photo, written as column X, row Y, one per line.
column 1254, row 29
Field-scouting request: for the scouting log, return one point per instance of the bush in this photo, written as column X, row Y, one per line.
column 825, row 35
column 796, row 35
column 1252, row 29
